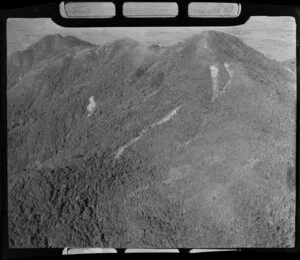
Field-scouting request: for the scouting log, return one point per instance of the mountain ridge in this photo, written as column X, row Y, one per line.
column 192, row 130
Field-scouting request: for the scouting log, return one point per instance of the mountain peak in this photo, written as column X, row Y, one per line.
column 47, row 46
column 217, row 46
column 50, row 43
column 210, row 38
column 126, row 42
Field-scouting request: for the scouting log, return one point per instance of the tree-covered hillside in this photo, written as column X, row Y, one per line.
column 133, row 145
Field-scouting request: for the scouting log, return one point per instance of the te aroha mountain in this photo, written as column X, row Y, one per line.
column 131, row 145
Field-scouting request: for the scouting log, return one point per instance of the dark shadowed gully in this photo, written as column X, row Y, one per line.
column 130, row 145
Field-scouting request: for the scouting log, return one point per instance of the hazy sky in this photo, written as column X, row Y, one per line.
column 274, row 36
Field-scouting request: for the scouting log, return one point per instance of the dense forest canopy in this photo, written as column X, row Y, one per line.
column 135, row 145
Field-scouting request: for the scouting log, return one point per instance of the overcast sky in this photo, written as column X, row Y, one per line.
column 274, row 36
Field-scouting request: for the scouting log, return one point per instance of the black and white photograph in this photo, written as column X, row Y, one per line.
column 151, row 137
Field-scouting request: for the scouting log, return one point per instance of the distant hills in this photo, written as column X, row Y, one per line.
column 134, row 145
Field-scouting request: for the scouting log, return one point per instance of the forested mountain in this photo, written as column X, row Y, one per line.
column 133, row 145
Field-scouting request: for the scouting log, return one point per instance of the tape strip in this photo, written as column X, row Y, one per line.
column 77, row 251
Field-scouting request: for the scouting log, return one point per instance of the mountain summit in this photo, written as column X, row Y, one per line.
column 43, row 50
column 181, row 146
column 56, row 42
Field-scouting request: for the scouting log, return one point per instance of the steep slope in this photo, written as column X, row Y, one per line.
column 60, row 90
column 290, row 67
column 128, row 145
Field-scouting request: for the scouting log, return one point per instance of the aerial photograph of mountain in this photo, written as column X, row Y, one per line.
column 151, row 137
